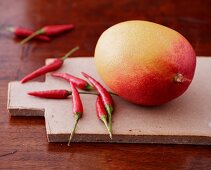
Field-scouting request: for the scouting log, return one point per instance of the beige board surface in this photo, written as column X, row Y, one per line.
column 186, row 120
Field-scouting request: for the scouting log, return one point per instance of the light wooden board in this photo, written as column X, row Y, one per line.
column 186, row 120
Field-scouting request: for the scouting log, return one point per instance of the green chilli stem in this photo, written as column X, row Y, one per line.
column 94, row 90
column 89, row 87
column 106, row 124
column 110, row 122
column 40, row 31
column 69, row 93
column 113, row 93
column 94, row 93
column 77, row 117
column 109, row 110
column 69, row 53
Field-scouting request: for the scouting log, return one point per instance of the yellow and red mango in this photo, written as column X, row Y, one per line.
column 144, row 62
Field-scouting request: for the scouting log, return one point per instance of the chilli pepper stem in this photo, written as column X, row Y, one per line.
column 77, row 117
column 109, row 110
column 69, row 53
column 106, row 124
column 40, row 31
column 110, row 121
column 94, row 93
column 87, row 93
column 112, row 93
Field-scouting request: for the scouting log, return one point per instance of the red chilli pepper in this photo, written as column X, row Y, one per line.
column 23, row 32
column 54, row 65
column 102, row 114
column 50, row 31
column 56, row 94
column 51, row 94
column 77, row 108
column 105, row 95
column 80, row 83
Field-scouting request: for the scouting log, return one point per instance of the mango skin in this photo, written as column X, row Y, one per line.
column 138, row 60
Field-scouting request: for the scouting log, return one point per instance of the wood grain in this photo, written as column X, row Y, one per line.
column 23, row 143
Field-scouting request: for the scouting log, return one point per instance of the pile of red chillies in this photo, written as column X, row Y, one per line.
column 104, row 101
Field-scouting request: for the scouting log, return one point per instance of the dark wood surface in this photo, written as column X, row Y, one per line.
column 23, row 142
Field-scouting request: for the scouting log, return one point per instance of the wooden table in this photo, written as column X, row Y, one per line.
column 23, row 142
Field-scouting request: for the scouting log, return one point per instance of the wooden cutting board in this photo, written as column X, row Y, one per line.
column 186, row 120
